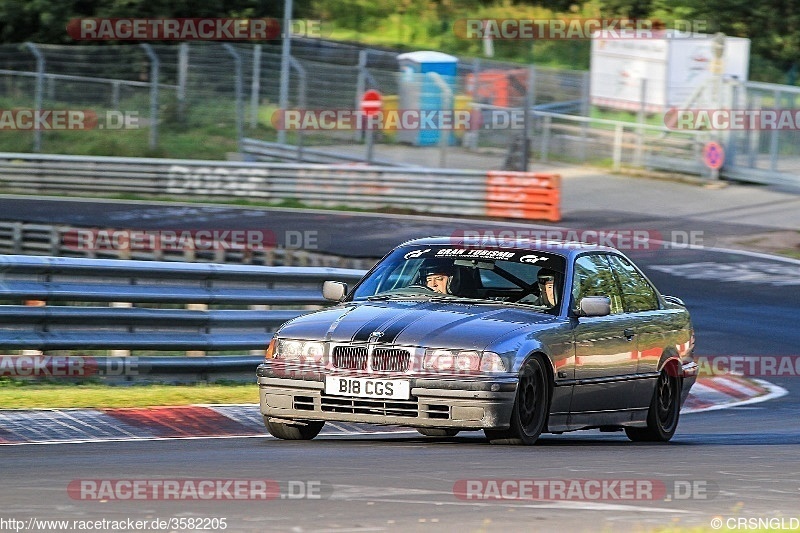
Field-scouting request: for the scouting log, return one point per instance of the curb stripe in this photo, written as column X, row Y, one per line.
column 54, row 426
column 184, row 421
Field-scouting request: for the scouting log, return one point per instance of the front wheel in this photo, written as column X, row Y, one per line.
column 662, row 417
column 293, row 431
column 529, row 416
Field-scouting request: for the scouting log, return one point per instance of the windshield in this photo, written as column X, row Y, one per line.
column 514, row 276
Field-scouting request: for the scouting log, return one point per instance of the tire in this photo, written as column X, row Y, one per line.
column 438, row 432
column 531, row 406
column 299, row 431
column 664, row 412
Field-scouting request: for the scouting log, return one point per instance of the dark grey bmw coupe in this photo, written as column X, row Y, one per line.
column 514, row 338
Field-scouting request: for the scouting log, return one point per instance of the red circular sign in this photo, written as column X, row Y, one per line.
column 371, row 102
column 713, row 155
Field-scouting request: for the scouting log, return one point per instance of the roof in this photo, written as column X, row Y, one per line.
column 427, row 56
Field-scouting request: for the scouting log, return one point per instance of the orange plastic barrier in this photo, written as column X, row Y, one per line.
column 526, row 195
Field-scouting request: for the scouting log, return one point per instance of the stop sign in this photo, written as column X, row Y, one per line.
column 371, row 102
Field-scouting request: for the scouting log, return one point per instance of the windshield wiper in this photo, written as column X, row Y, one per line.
column 482, row 301
column 383, row 297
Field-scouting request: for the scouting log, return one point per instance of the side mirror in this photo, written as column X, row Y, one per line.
column 334, row 290
column 594, row 306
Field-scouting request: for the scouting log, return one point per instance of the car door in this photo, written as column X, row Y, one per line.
column 606, row 355
column 640, row 301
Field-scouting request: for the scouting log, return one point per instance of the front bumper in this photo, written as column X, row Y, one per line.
column 478, row 403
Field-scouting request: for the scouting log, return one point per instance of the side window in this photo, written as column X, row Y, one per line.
column 637, row 294
column 593, row 277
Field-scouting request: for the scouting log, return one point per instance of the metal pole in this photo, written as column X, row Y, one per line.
column 617, row 152
column 255, row 86
column 640, row 118
column 301, row 101
column 361, row 85
column 154, row 65
column 773, row 135
column 237, row 63
column 115, row 95
column 585, row 111
column 370, row 143
column 546, row 139
column 37, row 97
column 526, row 119
column 183, row 74
column 283, row 98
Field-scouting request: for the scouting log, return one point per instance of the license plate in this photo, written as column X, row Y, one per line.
column 392, row 389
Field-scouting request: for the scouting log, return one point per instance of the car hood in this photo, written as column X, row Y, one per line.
column 415, row 323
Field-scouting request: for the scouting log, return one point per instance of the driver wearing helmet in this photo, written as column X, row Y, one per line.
column 438, row 276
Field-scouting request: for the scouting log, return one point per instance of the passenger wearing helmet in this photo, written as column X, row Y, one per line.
column 548, row 294
column 547, row 290
column 437, row 276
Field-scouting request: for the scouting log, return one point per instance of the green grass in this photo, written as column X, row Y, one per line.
column 20, row 395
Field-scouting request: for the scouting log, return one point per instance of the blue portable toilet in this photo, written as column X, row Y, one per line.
column 418, row 90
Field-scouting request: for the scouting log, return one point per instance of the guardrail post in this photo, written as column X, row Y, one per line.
column 55, row 240
column 38, row 92
column 196, row 307
column 33, row 303
column 17, row 240
column 154, row 70
column 121, row 353
column 255, row 86
column 237, row 87
column 259, row 308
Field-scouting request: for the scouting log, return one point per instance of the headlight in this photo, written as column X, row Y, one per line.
column 309, row 352
column 438, row 360
column 491, row 362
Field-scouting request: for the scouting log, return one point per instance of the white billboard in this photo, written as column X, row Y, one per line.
column 672, row 67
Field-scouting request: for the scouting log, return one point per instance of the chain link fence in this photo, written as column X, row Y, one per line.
column 229, row 92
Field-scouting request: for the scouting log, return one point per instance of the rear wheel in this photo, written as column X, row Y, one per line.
column 293, row 431
column 438, row 432
column 529, row 417
column 662, row 417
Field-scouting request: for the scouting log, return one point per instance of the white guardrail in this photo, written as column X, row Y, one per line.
column 525, row 195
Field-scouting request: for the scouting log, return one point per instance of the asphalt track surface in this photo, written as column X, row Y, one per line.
column 743, row 462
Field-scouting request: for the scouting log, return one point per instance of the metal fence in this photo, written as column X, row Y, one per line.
column 51, row 303
column 228, row 89
column 231, row 91
column 766, row 156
